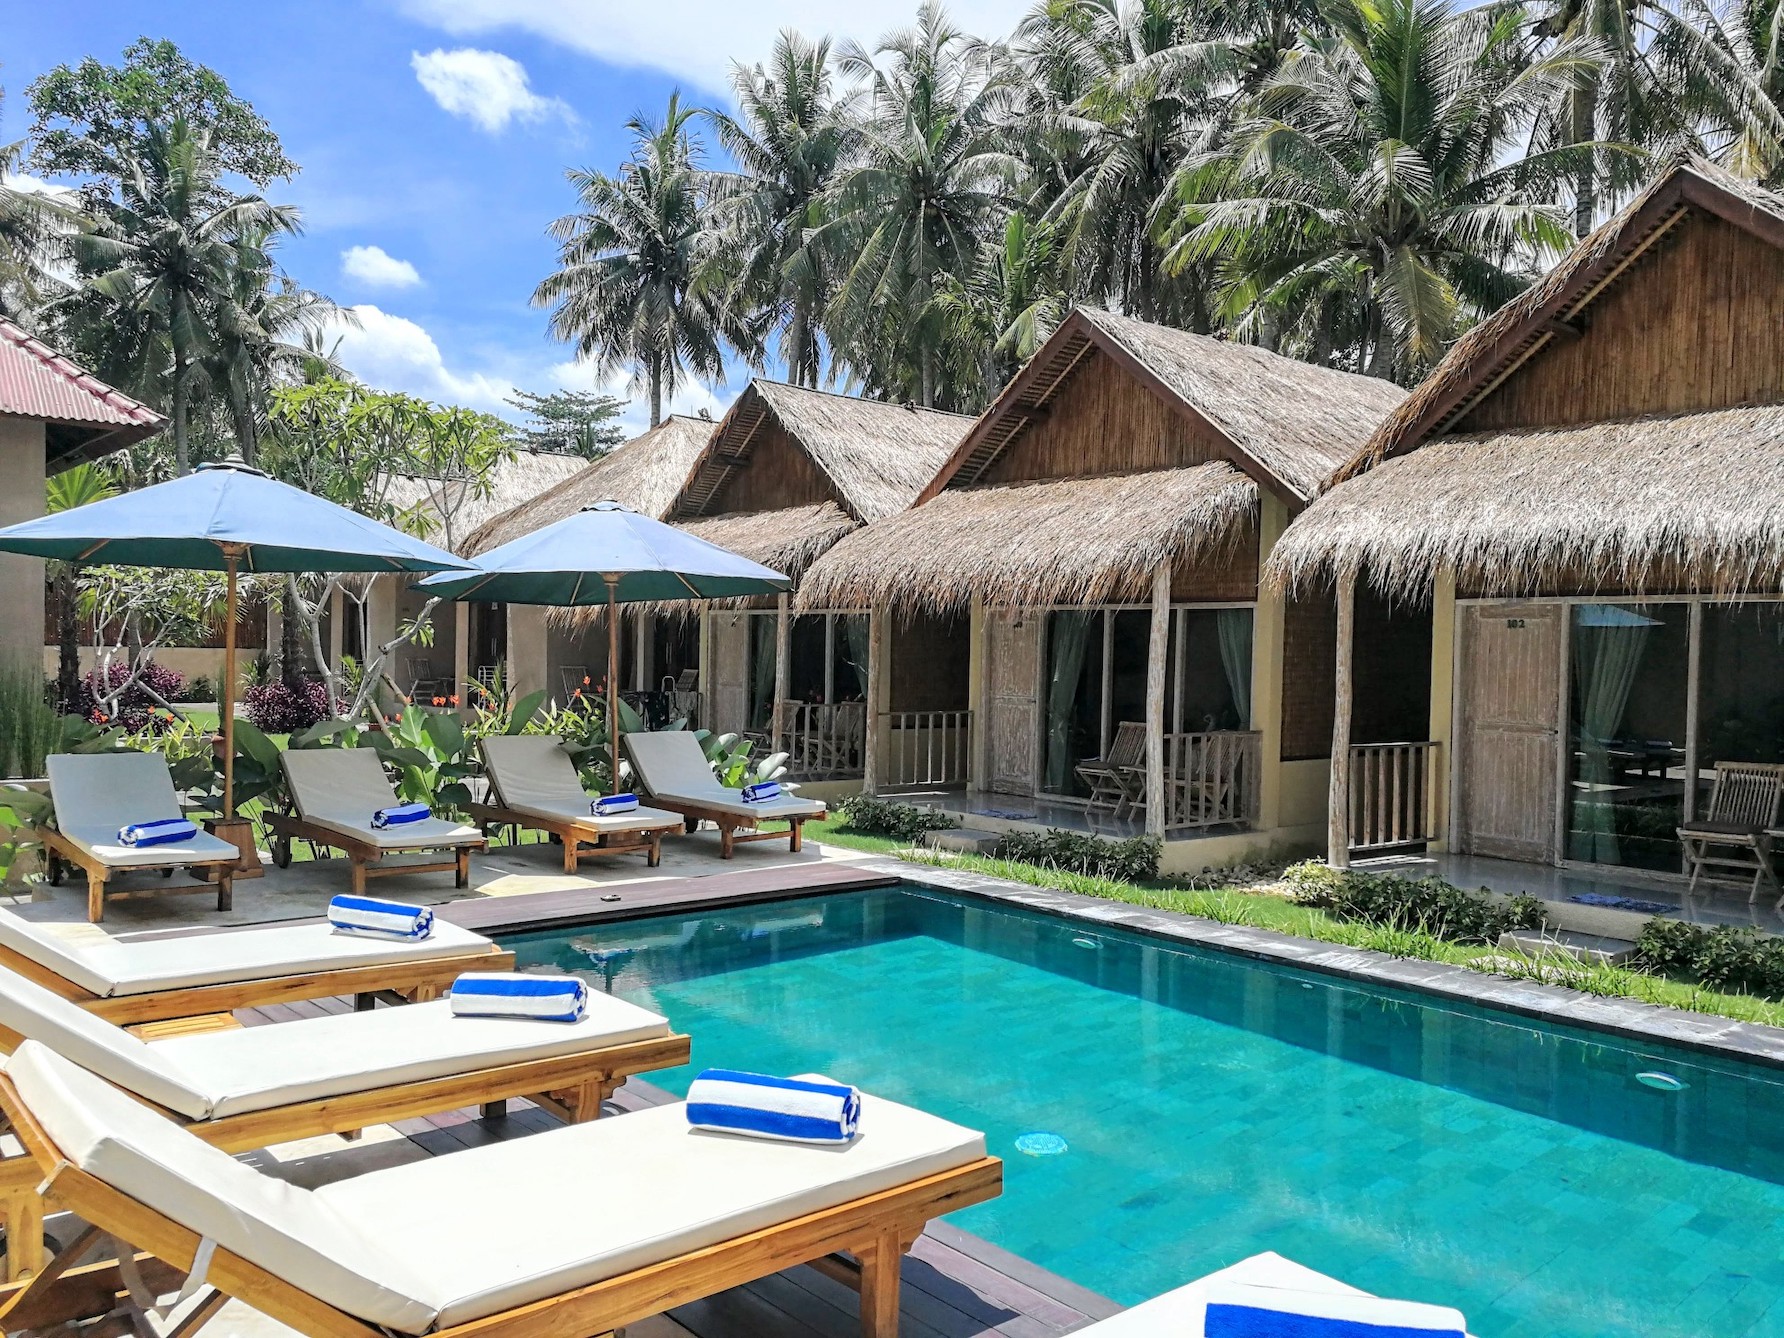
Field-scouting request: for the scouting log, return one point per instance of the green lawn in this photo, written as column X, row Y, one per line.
column 1269, row 908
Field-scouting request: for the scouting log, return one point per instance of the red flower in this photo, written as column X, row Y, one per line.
column 439, row 701
column 452, row 700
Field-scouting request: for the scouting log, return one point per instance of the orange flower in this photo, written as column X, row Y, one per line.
column 439, row 701
column 585, row 680
column 452, row 700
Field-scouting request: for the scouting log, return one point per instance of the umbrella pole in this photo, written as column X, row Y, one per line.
column 613, row 676
column 226, row 692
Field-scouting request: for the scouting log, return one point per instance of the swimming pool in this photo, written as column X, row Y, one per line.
column 1211, row 1106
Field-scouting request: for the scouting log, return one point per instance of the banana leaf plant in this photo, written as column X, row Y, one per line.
column 432, row 754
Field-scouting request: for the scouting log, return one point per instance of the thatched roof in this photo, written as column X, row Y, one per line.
column 1550, row 308
column 512, row 483
column 877, row 456
column 1286, row 423
column 1030, row 545
column 1690, row 500
column 789, row 540
column 645, row 474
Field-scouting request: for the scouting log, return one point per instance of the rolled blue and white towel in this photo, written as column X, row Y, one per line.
column 612, row 805
column 370, row 917
column 398, row 815
column 161, row 832
column 761, row 792
column 1242, row 1310
column 509, row 994
column 793, row 1110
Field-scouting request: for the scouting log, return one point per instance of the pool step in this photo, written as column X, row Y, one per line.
column 1568, row 943
column 962, row 840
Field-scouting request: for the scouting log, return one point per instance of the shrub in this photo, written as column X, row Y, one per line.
column 1134, row 860
column 132, row 710
column 885, row 817
column 1428, row 904
column 1725, row 958
column 273, row 708
column 197, row 689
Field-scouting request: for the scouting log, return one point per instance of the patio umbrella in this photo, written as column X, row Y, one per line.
column 606, row 554
column 230, row 518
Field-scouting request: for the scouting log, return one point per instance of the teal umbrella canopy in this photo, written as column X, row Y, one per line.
column 217, row 513
column 603, row 554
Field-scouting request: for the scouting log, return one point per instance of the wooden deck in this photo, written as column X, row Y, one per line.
column 955, row 1285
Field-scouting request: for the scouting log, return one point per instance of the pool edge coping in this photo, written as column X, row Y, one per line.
column 1629, row 1019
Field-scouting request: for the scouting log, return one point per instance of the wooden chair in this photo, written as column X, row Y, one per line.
column 534, row 786
column 1732, row 837
column 333, row 1074
column 486, row 1243
column 1110, row 777
column 570, row 679
column 423, row 683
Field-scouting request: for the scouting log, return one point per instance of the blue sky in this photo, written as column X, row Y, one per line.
column 433, row 136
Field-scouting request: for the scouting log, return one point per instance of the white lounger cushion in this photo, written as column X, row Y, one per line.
column 673, row 769
column 257, row 1068
column 532, row 774
column 342, row 787
column 97, row 793
column 283, row 1228
column 456, row 1238
column 108, row 965
column 1179, row 1313
column 216, row 1074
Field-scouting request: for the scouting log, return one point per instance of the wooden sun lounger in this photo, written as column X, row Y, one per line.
column 335, row 791
column 533, row 786
column 876, row 1224
column 96, row 794
column 482, row 1062
column 677, row 776
column 237, row 978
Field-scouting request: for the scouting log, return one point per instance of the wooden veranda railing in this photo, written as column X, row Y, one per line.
column 1393, row 794
column 1211, row 779
column 824, row 741
column 925, row 748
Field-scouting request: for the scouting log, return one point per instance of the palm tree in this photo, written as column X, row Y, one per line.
column 1745, row 43
column 1655, row 79
column 999, row 316
column 73, row 487
column 1376, row 199
column 164, row 260
column 927, row 181
column 635, row 287
column 785, row 139
column 31, row 226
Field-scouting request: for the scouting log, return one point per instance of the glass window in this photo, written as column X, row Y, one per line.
column 1740, row 716
column 1073, row 705
column 1626, row 720
column 1210, row 672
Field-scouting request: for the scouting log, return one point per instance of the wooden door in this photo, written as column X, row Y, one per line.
column 1508, row 721
column 729, row 699
column 1012, row 699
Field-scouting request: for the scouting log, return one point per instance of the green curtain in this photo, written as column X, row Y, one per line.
column 1069, row 636
column 1233, row 629
column 1608, row 642
column 761, row 670
column 855, row 642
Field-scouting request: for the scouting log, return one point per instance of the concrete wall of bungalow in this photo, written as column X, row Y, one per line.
column 21, row 578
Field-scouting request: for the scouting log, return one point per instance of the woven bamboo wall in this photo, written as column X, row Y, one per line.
column 1309, row 671
column 777, row 474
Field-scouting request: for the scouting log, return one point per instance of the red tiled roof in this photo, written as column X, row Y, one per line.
column 38, row 382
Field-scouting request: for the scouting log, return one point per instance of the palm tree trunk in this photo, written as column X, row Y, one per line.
column 181, row 459
column 926, row 361
column 656, row 389
column 1582, row 118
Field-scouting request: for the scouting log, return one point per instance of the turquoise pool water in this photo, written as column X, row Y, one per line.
column 1212, row 1106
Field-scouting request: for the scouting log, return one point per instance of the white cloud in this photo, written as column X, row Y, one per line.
column 375, row 266
column 394, row 353
column 698, row 39
column 689, row 398
column 485, row 87
column 27, row 184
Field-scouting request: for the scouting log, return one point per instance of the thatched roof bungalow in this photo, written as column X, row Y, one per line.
column 787, row 474
column 1584, row 493
column 1101, row 525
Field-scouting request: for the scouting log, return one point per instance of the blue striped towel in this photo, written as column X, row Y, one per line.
column 793, row 1110
column 761, row 792
column 371, row 918
column 1241, row 1310
column 505, row 994
column 399, row 814
column 609, row 805
column 161, row 832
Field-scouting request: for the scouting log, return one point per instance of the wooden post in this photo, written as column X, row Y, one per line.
column 226, row 692
column 870, row 748
column 641, row 643
column 1338, row 798
column 783, row 654
column 461, row 655
column 1158, row 648
column 612, row 580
